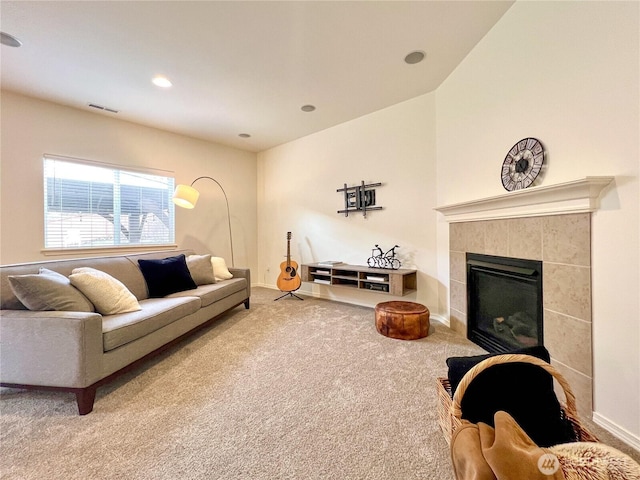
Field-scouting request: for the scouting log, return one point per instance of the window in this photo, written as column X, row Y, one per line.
column 94, row 205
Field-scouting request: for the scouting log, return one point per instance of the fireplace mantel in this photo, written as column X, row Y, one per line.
column 578, row 196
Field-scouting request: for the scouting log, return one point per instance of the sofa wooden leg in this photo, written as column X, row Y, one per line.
column 246, row 304
column 85, row 398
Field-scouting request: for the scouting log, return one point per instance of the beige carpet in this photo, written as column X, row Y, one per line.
column 286, row 390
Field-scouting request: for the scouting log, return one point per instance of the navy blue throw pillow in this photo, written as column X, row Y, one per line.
column 166, row 276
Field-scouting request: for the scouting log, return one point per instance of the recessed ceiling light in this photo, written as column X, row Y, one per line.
column 161, row 81
column 414, row 57
column 244, row 135
column 307, row 108
column 9, row 40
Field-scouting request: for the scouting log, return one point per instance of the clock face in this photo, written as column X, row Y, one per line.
column 522, row 164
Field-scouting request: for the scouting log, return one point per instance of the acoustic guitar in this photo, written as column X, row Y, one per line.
column 289, row 280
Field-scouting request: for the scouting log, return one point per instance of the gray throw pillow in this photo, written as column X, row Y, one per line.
column 49, row 290
column 201, row 269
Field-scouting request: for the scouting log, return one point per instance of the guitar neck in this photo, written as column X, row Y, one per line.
column 288, row 252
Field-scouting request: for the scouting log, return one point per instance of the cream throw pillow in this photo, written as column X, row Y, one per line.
column 109, row 295
column 201, row 269
column 220, row 270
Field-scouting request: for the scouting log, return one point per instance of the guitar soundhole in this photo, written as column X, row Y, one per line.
column 291, row 271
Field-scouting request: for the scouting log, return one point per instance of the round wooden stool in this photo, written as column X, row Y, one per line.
column 402, row 320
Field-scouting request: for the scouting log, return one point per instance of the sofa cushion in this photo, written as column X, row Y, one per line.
column 201, row 269
column 220, row 270
column 209, row 294
column 108, row 294
column 166, row 275
column 120, row 329
column 49, row 290
column 123, row 267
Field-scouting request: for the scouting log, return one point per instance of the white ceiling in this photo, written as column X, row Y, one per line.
column 238, row 66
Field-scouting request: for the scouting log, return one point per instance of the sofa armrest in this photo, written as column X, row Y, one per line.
column 58, row 349
column 242, row 273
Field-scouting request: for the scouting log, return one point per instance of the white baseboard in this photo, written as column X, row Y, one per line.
column 432, row 317
column 620, row 432
column 264, row 285
column 440, row 319
column 312, row 294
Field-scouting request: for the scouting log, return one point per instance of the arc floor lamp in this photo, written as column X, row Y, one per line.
column 186, row 196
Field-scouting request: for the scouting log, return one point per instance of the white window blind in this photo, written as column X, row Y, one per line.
column 93, row 205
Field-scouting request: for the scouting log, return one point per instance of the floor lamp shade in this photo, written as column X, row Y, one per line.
column 185, row 196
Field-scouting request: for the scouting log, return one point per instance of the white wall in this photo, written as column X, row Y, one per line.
column 297, row 193
column 31, row 128
column 566, row 73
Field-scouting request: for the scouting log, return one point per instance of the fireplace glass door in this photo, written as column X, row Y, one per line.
column 504, row 302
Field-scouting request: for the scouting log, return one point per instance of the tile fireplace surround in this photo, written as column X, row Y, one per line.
column 551, row 224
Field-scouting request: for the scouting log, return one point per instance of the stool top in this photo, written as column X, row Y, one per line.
column 401, row 307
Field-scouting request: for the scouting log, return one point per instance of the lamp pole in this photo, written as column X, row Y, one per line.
column 228, row 213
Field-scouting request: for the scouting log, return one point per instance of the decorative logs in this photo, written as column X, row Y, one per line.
column 402, row 320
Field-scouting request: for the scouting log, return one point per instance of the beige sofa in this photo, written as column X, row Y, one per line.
column 79, row 351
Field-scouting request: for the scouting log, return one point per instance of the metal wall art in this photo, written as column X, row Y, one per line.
column 360, row 198
column 380, row 259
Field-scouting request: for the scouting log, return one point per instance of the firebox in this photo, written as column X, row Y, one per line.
column 504, row 302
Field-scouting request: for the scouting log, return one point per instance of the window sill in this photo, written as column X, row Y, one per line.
column 99, row 250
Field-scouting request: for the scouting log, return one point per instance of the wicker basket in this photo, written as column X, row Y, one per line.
column 449, row 413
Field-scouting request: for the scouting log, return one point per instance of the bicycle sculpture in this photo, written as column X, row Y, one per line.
column 380, row 259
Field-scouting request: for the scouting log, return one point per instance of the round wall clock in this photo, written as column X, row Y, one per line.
column 522, row 164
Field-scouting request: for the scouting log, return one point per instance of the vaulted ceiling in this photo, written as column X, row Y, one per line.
column 238, row 67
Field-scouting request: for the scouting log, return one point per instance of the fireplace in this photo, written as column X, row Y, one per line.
column 551, row 224
column 504, row 304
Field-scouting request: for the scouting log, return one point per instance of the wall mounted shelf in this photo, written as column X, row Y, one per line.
column 381, row 280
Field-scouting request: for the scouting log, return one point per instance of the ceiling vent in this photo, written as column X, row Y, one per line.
column 100, row 107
